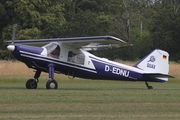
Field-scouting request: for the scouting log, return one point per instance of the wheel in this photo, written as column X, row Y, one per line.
column 31, row 84
column 51, row 84
column 150, row 87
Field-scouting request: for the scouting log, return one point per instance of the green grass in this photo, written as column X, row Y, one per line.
column 80, row 99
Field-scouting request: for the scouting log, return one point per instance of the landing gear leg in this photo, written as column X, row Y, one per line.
column 32, row 83
column 51, row 84
column 149, row 87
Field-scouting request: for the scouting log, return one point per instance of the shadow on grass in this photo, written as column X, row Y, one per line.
column 83, row 89
column 92, row 85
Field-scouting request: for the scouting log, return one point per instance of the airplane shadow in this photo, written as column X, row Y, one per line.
column 64, row 89
column 78, row 89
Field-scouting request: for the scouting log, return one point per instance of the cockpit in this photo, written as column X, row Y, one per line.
column 53, row 50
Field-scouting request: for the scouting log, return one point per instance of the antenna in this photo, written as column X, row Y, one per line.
column 13, row 33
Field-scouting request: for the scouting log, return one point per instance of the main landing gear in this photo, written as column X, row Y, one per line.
column 148, row 86
column 51, row 84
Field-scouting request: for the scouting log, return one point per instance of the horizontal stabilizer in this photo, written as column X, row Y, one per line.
column 154, row 75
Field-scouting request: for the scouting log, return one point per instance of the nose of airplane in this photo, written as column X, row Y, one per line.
column 11, row 47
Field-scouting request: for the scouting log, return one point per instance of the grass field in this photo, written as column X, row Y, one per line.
column 80, row 99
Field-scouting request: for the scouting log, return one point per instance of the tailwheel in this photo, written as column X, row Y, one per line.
column 148, row 86
column 51, row 84
column 31, row 84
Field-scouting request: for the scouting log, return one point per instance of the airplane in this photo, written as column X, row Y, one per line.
column 72, row 57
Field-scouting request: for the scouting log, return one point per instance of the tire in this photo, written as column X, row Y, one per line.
column 31, row 84
column 150, row 87
column 51, row 84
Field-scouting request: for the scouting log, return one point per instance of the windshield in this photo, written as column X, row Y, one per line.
column 53, row 50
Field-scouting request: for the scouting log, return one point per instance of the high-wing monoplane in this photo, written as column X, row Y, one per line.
column 71, row 56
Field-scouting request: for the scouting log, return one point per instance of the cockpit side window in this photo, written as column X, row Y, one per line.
column 53, row 50
column 76, row 57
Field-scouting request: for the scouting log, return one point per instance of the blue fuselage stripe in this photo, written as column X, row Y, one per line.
column 49, row 60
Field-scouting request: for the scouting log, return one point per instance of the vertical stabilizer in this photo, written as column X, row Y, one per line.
column 156, row 62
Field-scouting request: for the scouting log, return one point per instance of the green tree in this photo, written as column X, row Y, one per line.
column 85, row 18
column 165, row 28
column 82, row 24
column 34, row 15
column 3, row 23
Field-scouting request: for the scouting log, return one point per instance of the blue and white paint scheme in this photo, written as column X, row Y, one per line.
column 71, row 56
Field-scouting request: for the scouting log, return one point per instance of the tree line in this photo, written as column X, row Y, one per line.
column 147, row 24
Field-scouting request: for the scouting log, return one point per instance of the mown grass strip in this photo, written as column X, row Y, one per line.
column 81, row 99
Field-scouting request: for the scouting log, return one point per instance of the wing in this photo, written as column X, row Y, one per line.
column 87, row 43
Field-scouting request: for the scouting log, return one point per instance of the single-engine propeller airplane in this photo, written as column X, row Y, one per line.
column 71, row 56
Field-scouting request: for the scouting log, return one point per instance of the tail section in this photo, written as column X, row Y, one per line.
column 156, row 64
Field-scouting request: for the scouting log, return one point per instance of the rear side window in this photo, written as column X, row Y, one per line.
column 76, row 57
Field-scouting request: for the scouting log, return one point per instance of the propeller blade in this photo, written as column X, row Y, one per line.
column 13, row 33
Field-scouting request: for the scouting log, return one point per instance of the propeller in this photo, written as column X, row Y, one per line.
column 12, row 46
